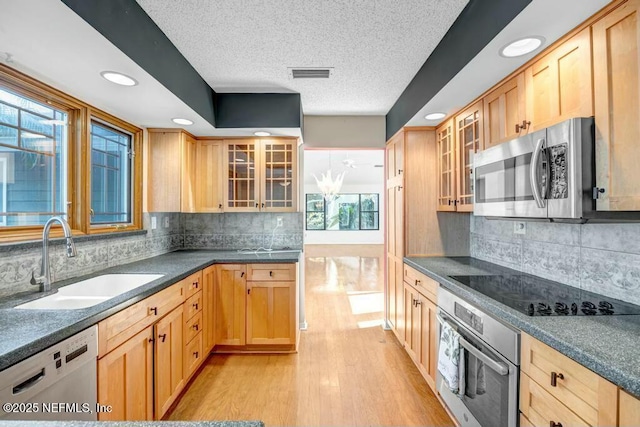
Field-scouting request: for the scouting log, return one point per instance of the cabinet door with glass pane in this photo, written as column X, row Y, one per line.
column 242, row 192
column 446, row 162
column 470, row 141
column 278, row 192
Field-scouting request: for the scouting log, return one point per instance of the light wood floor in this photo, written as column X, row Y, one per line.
column 348, row 370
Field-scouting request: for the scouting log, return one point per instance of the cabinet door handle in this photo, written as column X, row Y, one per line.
column 399, row 171
column 151, row 340
column 162, row 336
column 554, row 424
column 417, row 282
column 263, row 205
column 257, row 205
column 249, row 291
column 195, row 305
column 242, row 274
column 195, row 327
column 555, row 377
column 449, row 202
column 195, row 354
column 271, row 274
column 195, row 285
column 418, row 302
column 220, row 206
column 153, row 310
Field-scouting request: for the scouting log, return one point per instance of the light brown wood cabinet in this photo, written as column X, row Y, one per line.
column 420, row 293
column 446, row 177
column 505, row 112
column 125, row 379
column 209, row 188
column 629, row 410
column 261, row 175
column 194, row 328
column 271, row 304
column 458, row 139
column 558, row 85
column 209, row 278
column 168, row 367
column 617, row 107
column 171, row 178
column 554, row 388
column 230, row 304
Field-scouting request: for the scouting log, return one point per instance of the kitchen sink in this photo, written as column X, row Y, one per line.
column 90, row 292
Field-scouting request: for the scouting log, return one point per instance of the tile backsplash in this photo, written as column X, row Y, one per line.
column 189, row 231
column 242, row 230
column 601, row 258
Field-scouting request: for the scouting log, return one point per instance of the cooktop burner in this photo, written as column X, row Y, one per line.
column 536, row 296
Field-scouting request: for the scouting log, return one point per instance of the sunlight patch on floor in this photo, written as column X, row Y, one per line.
column 370, row 302
column 369, row 323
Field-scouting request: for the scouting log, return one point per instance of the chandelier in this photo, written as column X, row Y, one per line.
column 328, row 186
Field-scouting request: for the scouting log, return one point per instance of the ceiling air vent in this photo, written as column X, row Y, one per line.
column 310, row 73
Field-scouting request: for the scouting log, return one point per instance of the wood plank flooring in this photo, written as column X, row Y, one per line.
column 348, row 370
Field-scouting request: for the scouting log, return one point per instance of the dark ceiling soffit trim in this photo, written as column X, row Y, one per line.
column 125, row 24
column 479, row 22
column 255, row 110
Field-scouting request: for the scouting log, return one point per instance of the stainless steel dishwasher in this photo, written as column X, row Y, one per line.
column 59, row 383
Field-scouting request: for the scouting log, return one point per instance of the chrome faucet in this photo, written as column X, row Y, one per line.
column 44, row 280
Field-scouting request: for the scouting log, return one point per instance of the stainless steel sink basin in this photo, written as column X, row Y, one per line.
column 90, row 292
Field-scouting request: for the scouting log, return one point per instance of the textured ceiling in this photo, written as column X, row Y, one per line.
column 375, row 47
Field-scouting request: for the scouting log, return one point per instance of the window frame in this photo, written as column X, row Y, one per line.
column 78, row 158
column 324, row 212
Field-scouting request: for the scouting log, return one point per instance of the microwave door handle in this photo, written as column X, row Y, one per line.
column 533, row 173
column 499, row 367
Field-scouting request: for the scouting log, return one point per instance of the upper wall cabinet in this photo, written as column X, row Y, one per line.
column 558, row 86
column 504, row 112
column 209, row 189
column 445, row 142
column 171, row 171
column 261, row 175
column 617, row 107
column 469, row 140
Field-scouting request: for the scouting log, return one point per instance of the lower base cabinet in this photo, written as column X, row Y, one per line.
column 125, row 380
column 169, row 369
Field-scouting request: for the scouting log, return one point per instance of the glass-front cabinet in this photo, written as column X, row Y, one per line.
column 261, row 175
column 469, row 141
column 446, row 162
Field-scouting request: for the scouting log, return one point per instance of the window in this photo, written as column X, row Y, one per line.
column 111, row 155
column 45, row 169
column 345, row 212
column 33, row 161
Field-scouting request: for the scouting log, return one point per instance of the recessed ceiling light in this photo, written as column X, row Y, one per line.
column 521, row 46
column 180, row 121
column 119, row 78
column 262, row 133
column 435, row 116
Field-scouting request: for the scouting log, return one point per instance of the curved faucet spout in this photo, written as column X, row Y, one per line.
column 45, row 271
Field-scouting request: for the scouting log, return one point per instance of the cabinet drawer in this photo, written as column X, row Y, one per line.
column 271, row 272
column 542, row 409
column 421, row 282
column 193, row 355
column 123, row 325
column 193, row 305
column 192, row 327
column 584, row 392
column 192, row 284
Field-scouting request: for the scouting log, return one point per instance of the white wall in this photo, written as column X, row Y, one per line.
column 319, row 237
column 344, row 131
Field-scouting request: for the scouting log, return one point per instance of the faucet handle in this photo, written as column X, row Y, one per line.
column 35, row 281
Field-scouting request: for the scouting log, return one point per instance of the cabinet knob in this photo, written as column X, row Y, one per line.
column 220, row 206
column 153, row 310
column 162, row 337
column 554, row 424
column 195, row 285
column 555, row 377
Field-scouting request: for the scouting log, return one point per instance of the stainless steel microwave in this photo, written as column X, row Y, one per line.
column 548, row 174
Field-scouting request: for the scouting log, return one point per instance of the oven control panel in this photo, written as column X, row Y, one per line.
column 469, row 318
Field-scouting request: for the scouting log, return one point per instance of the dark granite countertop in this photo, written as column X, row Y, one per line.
column 608, row 345
column 26, row 332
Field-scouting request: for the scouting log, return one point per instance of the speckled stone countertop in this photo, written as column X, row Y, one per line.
column 132, row 423
column 26, row 332
column 608, row 345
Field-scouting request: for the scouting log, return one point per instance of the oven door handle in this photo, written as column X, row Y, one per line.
column 533, row 174
column 499, row 367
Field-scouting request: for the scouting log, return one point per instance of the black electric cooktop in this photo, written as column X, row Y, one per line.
column 536, row 296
